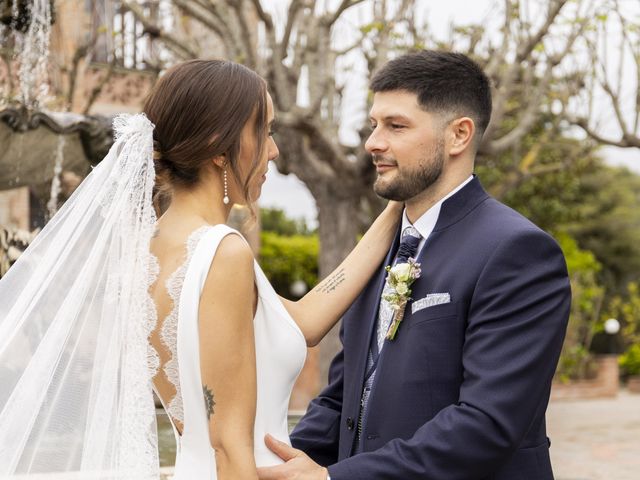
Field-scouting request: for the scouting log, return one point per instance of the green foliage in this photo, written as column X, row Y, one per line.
column 287, row 259
column 579, row 262
column 374, row 27
column 630, row 361
column 609, row 224
column 576, row 362
column 576, row 359
column 288, row 251
column 586, row 321
column 626, row 309
column 561, row 184
column 275, row 220
column 542, row 178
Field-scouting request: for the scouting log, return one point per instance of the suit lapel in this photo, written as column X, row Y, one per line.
column 453, row 210
column 459, row 205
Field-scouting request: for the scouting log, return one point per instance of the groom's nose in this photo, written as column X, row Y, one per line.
column 376, row 143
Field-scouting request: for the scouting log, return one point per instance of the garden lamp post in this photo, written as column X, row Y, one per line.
column 611, row 328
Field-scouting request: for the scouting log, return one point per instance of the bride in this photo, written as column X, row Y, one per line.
column 111, row 303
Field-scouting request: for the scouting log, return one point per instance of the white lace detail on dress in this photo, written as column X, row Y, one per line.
column 169, row 330
column 153, row 359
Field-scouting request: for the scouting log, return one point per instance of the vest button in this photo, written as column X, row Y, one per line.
column 350, row 423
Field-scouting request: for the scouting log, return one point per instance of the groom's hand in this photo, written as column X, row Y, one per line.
column 297, row 466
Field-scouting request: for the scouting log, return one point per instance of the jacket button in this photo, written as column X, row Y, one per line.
column 350, row 423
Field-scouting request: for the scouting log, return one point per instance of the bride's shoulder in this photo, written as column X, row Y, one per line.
column 230, row 282
column 233, row 247
column 233, row 261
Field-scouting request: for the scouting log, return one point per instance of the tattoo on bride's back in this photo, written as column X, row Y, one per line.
column 332, row 282
column 209, row 403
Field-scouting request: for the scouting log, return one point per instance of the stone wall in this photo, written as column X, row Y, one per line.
column 606, row 383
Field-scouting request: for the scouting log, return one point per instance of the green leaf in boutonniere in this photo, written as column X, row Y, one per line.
column 400, row 278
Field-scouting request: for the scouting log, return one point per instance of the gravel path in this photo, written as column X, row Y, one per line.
column 595, row 439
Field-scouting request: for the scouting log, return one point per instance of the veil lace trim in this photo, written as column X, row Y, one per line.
column 153, row 358
column 169, row 328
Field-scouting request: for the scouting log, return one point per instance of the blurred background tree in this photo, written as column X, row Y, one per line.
column 275, row 220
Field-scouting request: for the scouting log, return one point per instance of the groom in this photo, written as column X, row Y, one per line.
column 460, row 392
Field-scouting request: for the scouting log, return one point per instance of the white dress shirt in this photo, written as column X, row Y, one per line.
column 427, row 222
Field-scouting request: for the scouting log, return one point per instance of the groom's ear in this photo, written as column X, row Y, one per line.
column 460, row 133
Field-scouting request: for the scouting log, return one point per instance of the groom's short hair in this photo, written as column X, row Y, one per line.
column 444, row 82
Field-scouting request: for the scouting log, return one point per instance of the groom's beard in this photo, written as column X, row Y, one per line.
column 411, row 181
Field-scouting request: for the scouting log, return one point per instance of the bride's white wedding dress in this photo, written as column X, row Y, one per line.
column 280, row 355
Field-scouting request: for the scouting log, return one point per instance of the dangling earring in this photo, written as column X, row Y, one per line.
column 225, row 199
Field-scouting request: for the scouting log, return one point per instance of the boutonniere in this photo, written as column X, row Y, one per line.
column 400, row 278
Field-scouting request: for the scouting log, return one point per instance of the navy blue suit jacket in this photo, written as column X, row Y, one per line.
column 461, row 392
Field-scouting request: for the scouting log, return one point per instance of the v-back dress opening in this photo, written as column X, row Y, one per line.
column 280, row 356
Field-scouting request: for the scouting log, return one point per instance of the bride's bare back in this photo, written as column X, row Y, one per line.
column 170, row 245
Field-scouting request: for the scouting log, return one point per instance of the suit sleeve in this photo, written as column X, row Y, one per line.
column 318, row 432
column 516, row 325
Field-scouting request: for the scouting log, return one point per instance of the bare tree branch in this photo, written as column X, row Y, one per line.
column 525, row 49
column 95, row 92
column 215, row 27
column 81, row 52
column 626, row 140
column 331, row 18
column 245, row 38
column 292, row 15
column 262, row 15
column 523, row 53
column 498, row 57
column 171, row 41
column 598, row 42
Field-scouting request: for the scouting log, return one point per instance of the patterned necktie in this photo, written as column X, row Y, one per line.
column 409, row 241
column 408, row 244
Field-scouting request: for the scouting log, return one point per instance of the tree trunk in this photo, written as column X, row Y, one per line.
column 337, row 217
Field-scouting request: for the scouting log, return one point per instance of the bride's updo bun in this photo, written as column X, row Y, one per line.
column 199, row 108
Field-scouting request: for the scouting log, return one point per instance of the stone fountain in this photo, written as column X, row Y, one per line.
column 48, row 151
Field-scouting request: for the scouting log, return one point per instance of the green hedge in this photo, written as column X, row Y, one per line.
column 630, row 361
column 287, row 259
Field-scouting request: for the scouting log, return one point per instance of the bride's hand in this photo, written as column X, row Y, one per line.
column 393, row 211
column 395, row 206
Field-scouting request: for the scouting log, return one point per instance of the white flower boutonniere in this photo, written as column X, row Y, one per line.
column 400, row 278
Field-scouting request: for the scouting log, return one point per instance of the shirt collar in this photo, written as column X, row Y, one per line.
column 427, row 222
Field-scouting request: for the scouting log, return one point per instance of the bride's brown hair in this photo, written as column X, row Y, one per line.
column 199, row 109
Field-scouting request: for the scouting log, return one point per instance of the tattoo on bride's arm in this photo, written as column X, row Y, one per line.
column 332, row 282
column 209, row 403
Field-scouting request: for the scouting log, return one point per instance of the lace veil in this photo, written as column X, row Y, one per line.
column 76, row 366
